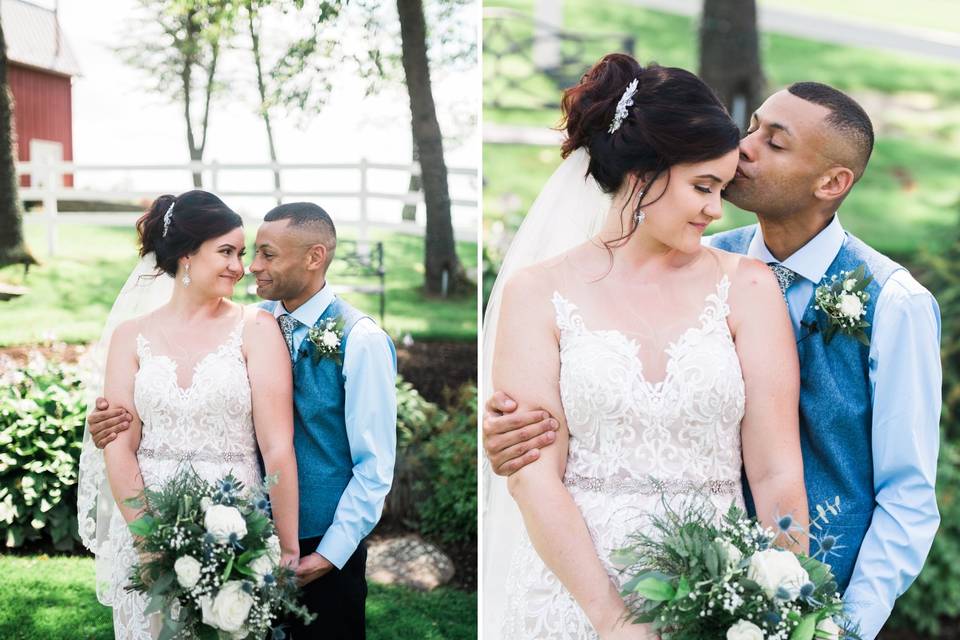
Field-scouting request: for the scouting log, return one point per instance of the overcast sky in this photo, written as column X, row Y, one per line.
column 117, row 120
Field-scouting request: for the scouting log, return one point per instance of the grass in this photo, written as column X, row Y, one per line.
column 43, row 597
column 71, row 294
column 910, row 193
column 940, row 15
column 672, row 40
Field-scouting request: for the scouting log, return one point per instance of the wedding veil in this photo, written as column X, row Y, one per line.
column 143, row 292
column 569, row 210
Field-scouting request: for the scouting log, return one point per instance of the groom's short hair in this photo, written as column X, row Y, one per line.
column 846, row 117
column 309, row 217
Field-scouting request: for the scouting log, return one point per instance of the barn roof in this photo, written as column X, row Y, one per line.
column 34, row 38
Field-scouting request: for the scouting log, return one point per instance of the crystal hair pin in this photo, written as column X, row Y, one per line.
column 626, row 100
column 167, row 217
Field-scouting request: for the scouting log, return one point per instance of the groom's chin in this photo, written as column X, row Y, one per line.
column 266, row 293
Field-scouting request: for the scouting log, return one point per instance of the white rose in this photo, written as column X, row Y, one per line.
column 774, row 568
column 221, row 521
column 744, row 630
column 205, row 503
column 188, row 571
column 849, row 284
column 262, row 566
column 273, row 549
column 229, row 609
column 851, row 306
column 830, row 628
column 330, row 340
column 733, row 554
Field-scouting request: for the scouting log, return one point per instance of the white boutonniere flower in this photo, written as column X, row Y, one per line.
column 843, row 299
column 327, row 338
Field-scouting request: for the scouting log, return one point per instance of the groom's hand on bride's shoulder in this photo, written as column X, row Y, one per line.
column 106, row 422
column 512, row 439
column 311, row 567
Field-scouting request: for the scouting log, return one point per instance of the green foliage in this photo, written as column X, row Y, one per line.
column 41, row 426
column 435, row 481
column 939, row 273
column 935, row 596
column 449, row 512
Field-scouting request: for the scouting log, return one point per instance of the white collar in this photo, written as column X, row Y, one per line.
column 810, row 261
column 310, row 311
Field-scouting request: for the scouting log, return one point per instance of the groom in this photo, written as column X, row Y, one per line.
column 869, row 415
column 345, row 416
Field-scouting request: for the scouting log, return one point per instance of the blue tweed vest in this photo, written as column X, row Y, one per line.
column 324, row 463
column 836, row 407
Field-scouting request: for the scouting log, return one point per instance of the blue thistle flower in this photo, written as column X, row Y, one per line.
column 828, row 545
column 772, row 618
column 279, row 634
column 269, row 579
column 247, row 587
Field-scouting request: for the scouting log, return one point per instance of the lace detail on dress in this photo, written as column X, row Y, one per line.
column 629, row 434
column 208, row 425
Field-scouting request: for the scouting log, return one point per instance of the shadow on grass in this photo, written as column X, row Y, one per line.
column 44, row 597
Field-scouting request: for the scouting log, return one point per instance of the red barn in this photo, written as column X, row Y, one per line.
column 40, row 66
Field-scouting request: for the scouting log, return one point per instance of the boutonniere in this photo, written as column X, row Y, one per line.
column 326, row 339
column 843, row 299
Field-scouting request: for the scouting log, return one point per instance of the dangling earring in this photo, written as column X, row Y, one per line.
column 639, row 216
column 186, row 277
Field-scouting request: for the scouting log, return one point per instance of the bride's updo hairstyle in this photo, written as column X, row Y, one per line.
column 196, row 217
column 675, row 119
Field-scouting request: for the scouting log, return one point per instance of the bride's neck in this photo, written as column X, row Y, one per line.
column 190, row 305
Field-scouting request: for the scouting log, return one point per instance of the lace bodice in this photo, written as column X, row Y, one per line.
column 632, row 441
column 209, row 421
column 208, row 424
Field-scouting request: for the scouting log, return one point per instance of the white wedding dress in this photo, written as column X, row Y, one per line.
column 207, row 424
column 633, row 441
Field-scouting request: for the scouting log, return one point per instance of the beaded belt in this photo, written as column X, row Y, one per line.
column 190, row 456
column 651, row 486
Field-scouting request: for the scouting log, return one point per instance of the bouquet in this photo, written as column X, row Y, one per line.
column 210, row 559
column 697, row 580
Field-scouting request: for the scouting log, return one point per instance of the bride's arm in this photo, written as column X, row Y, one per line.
column 527, row 367
column 271, row 385
column 770, row 430
column 120, row 454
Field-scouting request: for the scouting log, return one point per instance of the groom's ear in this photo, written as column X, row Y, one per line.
column 834, row 184
column 316, row 257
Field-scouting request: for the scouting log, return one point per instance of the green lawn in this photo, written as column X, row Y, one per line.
column 910, row 193
column 71, row 294
column 44, row 597
column 940, row 15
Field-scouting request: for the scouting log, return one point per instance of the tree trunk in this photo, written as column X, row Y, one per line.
column 186, row 79
column 444, row 273
column 262, row 89
column 730, row 56
column 13, row 250
column 415, row 186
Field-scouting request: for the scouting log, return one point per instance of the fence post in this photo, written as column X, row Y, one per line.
column 215, row 176
column 51, row 179
column 362, row 247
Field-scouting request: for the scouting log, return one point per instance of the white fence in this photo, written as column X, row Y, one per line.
column 47, row 187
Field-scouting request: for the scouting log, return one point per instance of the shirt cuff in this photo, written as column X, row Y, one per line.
column 869, row 617
column 336, row 550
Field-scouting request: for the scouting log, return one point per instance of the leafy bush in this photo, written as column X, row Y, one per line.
column 41, row 427
column 939, row 273
column 449, row 510
column 935, row 596
column 417, row 421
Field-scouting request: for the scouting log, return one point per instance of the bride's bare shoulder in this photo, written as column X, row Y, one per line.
column 549, row 275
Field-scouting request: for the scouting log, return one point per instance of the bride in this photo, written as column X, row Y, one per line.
column 656, row 355
column 206, row 382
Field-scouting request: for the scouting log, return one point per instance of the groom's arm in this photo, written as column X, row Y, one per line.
column 906, row 375
column 370, row 374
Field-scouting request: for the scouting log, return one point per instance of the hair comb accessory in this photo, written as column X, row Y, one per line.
column 626, row 100
column 167, row 217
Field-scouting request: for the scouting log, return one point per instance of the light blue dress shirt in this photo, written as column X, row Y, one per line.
column 370, row 372
column 905, row 379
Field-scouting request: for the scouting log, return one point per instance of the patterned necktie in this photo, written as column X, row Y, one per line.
column 785, row 277
column 287, row 324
